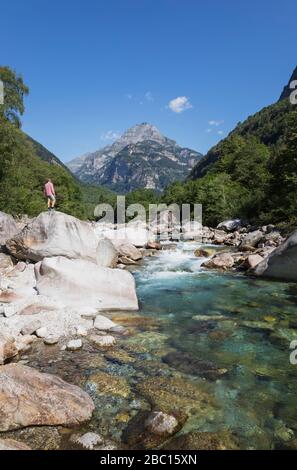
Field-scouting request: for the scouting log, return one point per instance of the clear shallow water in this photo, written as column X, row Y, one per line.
column 256, row 398
column 211, row 348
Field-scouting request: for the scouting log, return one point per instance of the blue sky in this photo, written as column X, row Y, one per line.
column 97, row 67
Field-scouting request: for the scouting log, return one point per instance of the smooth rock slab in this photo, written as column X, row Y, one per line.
column 31, row 398
column 84, row 285
column 54, row 234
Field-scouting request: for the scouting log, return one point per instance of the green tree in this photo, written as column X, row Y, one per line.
column 14, row 92
column 283, row 191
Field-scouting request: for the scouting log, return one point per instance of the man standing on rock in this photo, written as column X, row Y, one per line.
column 49, row 192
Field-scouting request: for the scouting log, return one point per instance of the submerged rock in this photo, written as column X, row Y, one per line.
column 203, row 441
column 176, row 396
column 209, row 317
column 161, row 423
column 37, row 437
column 88, row 441
column 189, row 364
column 148, row 430
column 204, row 252
column 110, row 384
column 31, row 398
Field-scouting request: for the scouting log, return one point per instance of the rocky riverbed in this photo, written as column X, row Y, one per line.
column 203, row 364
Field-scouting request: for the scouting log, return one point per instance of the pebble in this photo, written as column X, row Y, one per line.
column 41, row 332
column 88, row 441
column 103, row 341
column 49, row 340
column 74, row 344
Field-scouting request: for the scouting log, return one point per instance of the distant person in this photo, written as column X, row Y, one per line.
column 50, row 194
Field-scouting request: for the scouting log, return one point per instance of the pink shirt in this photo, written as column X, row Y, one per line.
column 49, row 189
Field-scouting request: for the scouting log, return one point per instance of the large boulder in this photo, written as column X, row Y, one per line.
column 31, row 398
column 281, row 263
column 81, row 284
column 220, row 237
column 230, row 225
column 251, row 239
column 219, row 261
column 8, row 227
column 252, row 261
column 54, row 234
column 127, row 249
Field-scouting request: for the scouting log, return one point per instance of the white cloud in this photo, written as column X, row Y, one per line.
column 180, row 104
column 208, row 130
column 129, row 96
column 110, row 135
column 220, row 132
column 215, row 123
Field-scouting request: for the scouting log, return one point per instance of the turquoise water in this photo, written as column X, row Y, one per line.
column 256, row 396
column 211, row 348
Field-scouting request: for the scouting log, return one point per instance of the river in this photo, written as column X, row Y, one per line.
column 211, row 348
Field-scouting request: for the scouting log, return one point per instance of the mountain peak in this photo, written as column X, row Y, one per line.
column 287, row 90
column 141, row 158
column 141, row 132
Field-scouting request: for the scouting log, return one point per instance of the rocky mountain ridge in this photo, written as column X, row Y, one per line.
column 141, row 158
